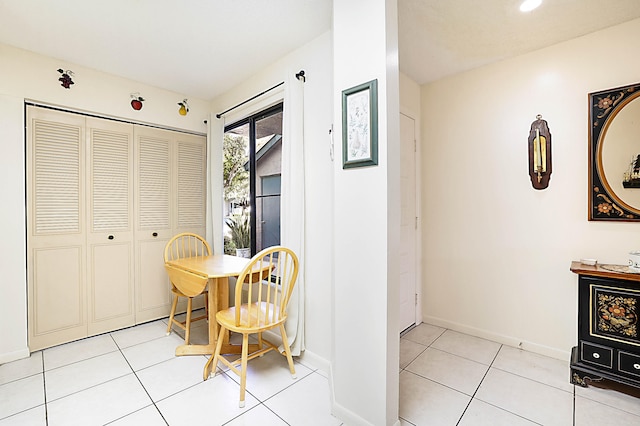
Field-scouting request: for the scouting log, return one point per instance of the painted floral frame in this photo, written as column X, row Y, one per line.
column 605, row 200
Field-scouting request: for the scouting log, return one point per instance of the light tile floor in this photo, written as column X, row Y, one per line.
column 450, row 378
column 131, row 377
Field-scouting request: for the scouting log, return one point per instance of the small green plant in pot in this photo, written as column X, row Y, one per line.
column 240, row 228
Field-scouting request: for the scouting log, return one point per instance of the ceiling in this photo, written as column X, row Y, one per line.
column 202, row 48
column 443, row 37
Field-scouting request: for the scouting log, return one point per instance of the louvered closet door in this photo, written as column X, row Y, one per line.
column 170, row 197
column 190, row 192
column 191, row 184
column 110, row 271
column 55, row 227
column 153, row 221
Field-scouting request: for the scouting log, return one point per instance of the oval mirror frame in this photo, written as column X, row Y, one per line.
column 604, row 203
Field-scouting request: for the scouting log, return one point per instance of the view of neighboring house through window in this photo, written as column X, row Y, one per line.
column 252, row 176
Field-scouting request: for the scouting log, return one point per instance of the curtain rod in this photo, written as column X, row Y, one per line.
column 300, row 76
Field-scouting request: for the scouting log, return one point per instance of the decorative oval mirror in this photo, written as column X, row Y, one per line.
column 614, row 149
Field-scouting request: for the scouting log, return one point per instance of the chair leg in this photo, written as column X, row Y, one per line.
column 214, row 359
column 287, row 351
column 173, row 312
column 187, row 330
column 243, row 363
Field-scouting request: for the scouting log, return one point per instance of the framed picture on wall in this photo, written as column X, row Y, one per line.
column 360, row 125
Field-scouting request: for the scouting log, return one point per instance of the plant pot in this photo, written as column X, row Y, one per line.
column 243, row 252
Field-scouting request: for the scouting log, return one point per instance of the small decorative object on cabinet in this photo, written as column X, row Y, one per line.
column 608, row 339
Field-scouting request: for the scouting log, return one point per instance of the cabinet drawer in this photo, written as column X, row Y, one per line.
column 596, row 354
column 629, row 363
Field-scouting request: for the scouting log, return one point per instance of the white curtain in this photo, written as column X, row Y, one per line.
column 214, row 205
column 292, row 201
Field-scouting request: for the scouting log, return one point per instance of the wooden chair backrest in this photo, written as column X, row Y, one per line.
column 186, row 244
column 189, row 283
column 265, row 286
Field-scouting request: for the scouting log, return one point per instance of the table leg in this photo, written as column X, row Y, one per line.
column 218, row 300
column 214, row 301
column 223, row 303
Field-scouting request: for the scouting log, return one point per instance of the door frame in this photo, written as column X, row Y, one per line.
column 418, row 193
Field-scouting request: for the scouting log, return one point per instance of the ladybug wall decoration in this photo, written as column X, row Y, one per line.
column 136, row 101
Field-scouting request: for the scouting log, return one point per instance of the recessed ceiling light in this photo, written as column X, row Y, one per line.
column 529, row 5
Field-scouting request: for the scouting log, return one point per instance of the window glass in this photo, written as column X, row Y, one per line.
column 252, row 180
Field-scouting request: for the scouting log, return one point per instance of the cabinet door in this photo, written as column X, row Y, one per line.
column 55, row 228
column 153, row 221
column 110, row 283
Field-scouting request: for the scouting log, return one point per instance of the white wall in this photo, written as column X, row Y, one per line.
column 364, row 363
column 13, row 303
column 409, row 97
column 35, row 77
column 315, row 58
column 497, row 252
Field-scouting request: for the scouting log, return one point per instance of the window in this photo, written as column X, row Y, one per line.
column 252, row 176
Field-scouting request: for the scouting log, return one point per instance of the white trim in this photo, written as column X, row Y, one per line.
column 15, row 355
column 501, row 338
column 418, row 211
column 108, row 117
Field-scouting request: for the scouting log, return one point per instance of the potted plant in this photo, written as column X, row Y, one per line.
column 240, row 229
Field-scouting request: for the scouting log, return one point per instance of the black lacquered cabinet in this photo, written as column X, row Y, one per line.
column 608, row 335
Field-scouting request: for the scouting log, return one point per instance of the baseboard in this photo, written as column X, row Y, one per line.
column 501, row 338
column 347, row 416
column 14, row 356
column 314, row 361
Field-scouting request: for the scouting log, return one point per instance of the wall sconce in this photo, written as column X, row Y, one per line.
column 184, row 107
column 65, row 78
column 539, row 153
column 136, row 101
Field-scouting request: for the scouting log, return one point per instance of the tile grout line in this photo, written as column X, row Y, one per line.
column 141, row 384
column 44, row 390
column 479, row 384
column 574, row 405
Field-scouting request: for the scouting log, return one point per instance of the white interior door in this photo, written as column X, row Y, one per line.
column 408, row 223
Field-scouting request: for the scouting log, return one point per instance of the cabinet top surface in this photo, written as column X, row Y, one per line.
column 602, row 271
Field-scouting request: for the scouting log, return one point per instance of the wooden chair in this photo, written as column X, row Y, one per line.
column 261, row 300
column 185, row 245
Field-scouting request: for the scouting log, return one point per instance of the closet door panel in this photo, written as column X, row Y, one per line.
column 111, row 287
column 110, row 236
column 153, row 228
column 190, row 192
column 55, row 227
column 57, row 303
column 191, row 184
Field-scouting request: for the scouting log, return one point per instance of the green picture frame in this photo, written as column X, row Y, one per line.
column 360, row 125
